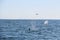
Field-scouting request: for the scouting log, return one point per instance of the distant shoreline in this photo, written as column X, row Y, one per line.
column 29, row 19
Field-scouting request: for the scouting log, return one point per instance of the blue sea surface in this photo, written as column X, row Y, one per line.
column 19, row 30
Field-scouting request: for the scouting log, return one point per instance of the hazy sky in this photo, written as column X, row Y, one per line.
column 24, row 9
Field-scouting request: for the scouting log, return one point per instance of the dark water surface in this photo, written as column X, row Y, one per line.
column 19, row 30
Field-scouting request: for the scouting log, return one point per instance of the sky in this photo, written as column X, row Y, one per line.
column 27, row 9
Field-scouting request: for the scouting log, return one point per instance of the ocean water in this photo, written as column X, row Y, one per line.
column 22, row 30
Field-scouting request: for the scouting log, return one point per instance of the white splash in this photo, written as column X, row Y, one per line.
column 46, row 22
column 33, row 27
